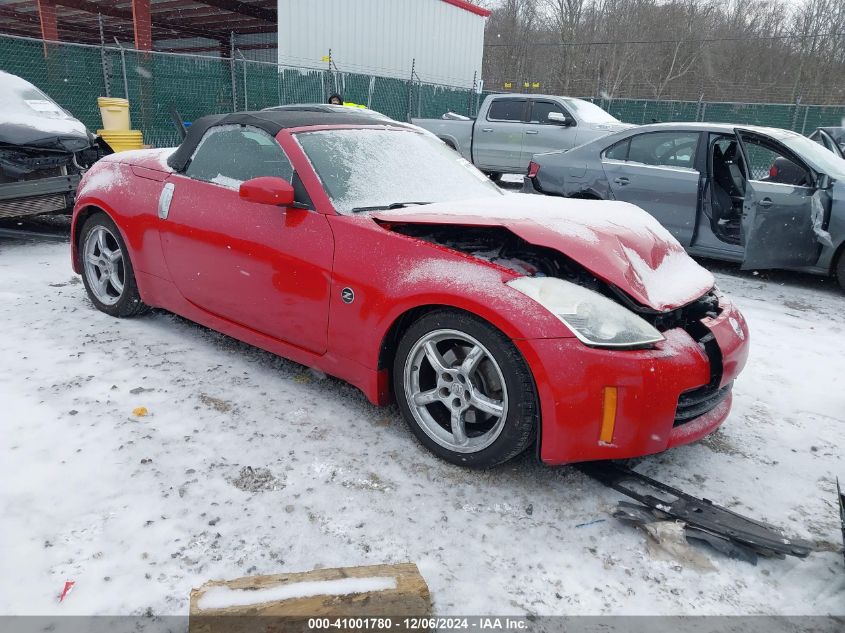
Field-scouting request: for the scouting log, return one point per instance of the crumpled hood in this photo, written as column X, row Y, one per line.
column 618, row 242
column 69, row 136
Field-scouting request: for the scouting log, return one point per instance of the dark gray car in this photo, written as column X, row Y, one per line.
column 765, row 197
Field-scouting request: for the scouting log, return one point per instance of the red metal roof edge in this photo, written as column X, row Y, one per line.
column 469, row 6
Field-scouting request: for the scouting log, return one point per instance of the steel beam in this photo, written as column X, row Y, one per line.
column 235, row 6
column 142, row 25
column 48, row 18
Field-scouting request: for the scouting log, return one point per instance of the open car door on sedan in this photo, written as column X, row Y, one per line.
column 764, row 197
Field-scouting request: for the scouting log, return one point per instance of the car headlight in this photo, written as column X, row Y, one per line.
column 594, row 319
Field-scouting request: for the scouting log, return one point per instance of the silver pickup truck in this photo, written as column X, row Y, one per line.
column 511, row 128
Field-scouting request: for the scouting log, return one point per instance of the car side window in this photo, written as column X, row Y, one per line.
column 507, row 110
column 618, row 151
column 769, row 163
column 231, row 154
column 540, row 112
column 664, row 149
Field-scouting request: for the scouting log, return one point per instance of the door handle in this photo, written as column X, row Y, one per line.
column 766, row 203
column 487, row 129
column 621, row 181
column 531, row 132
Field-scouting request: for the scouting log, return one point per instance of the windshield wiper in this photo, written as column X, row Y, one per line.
column 392, row 205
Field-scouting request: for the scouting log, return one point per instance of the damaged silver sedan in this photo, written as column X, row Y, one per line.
column 766, row 197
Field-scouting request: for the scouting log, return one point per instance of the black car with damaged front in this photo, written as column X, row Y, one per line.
column 43, row 151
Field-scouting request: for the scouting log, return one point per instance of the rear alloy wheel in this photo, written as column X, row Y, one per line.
column 465, row 390
column 106, row 269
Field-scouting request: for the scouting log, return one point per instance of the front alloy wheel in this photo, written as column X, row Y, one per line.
column 466, row 392
column 456, row 391
column 107, row 269
column 104, row 267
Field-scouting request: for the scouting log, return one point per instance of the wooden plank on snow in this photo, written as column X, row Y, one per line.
column 285, row 602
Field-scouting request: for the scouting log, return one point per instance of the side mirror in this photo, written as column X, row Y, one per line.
column 560, row 118
column 823, row 181
column 267, row 190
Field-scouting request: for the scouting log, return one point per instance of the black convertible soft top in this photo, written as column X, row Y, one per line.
column 268, row 120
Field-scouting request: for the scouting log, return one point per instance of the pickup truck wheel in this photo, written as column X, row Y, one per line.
column 106, row 269
column 464, row 390
column 495, row 176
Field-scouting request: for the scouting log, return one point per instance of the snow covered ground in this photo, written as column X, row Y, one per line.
column 250, row 464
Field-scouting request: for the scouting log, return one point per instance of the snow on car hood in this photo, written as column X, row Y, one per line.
column 618, row 242
column 30, row 117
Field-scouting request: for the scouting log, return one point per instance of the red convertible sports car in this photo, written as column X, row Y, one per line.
column 376, row 254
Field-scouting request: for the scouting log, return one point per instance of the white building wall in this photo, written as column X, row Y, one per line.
column 384, row 37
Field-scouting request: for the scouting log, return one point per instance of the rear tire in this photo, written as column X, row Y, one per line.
column 840, row 270
column 464, row 390
column 107, row 270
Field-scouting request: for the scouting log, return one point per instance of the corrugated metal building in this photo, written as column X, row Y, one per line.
column 442, row 39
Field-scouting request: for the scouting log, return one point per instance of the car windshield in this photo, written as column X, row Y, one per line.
column 366, row 169
column 590, row 112
column 819, row 158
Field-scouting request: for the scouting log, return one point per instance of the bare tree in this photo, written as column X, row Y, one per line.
column 733, row 50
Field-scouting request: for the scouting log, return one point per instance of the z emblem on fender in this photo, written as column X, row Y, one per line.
column 347, row 295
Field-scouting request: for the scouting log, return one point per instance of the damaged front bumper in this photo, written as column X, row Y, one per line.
column 37, row 180
column 606, row 404
column 44, row 195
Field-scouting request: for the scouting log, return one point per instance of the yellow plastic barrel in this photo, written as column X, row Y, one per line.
column 122, row 140
column 115, row 113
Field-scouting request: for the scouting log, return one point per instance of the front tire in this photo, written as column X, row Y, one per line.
column 107, row 270
column 464, row 390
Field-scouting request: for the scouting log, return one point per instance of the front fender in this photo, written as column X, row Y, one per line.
column 390, row 274
column 131, row 202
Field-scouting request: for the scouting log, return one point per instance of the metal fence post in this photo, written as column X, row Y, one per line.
column 804, row 124
column 246, row 97
column 370, row 92
column 123, row 69
column 795, row 113
column 232, row 71
column 106, row 81
column 410, row 89
column 471, row 93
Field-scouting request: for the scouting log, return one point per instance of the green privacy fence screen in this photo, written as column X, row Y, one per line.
column 75, row 75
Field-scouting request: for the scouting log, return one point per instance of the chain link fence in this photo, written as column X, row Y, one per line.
column 798, row 117
column 156, row 83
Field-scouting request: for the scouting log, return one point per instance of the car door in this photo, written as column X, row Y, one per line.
column 656, row 171
column 542, row 135
column 825, row 140
column 497, row 142
column 781, row 206
column 264, row 267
